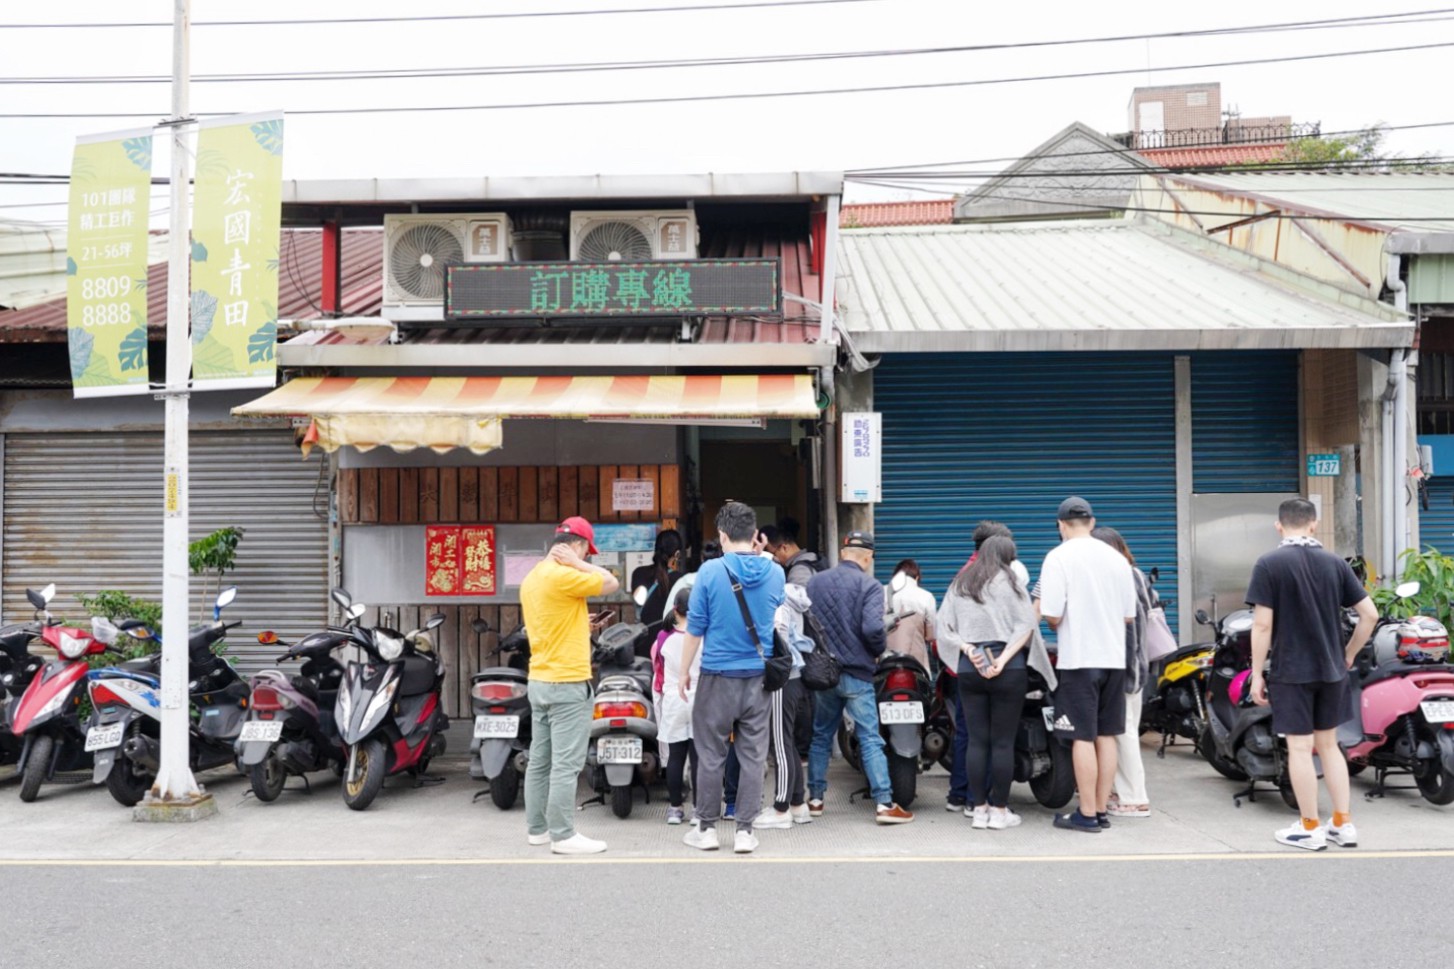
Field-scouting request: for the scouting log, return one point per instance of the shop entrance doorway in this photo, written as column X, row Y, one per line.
column 767, row 475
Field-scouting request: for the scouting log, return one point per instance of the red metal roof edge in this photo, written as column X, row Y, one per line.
column 871, row 215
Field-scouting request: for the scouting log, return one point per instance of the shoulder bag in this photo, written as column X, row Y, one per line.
column 775, row 668
column 821, row 668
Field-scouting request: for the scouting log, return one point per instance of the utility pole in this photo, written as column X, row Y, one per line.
column 176, row 796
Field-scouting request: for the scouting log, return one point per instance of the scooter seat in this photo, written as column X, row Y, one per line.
column 150, row 663
column 500, row 673
column 623, row 681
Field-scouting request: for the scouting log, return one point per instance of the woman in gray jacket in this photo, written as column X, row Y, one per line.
column 988, row 619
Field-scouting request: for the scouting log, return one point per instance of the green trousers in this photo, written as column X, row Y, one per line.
column 560, row 732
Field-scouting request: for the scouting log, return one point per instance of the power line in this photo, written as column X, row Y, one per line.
column 440, row 17
column 1380, row 20
column 763, row 95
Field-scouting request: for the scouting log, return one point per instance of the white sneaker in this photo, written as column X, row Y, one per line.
column 1344, row 837
column 773, row 820
column 698, row 838
column 1001, row 818
column 745, row 843
column 1296, row 836
column 981, row 815
column 538, row 839
column 578, row 844
column 800, row 814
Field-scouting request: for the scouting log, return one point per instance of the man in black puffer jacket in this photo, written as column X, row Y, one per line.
column 849, row 606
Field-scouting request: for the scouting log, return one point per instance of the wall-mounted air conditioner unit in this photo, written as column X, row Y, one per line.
column 417, row 248
column 633, row 236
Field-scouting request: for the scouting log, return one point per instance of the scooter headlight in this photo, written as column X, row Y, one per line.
column 73, row 647
column 390, row 647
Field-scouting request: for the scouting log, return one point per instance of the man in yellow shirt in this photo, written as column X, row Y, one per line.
column 553, row 601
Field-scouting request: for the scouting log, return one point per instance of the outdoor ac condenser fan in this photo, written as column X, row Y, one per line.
column 418, row 258
column 615, row 242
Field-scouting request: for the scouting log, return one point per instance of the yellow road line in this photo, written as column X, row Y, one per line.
column 700, row 859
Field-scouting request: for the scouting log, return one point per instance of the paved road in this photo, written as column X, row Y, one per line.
column 709, row 912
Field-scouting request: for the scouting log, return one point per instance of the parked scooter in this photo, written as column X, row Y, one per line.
column 902, row 688
column 1403, row 689
column 500, row 749
column 290, row 729
column 623, row 751
column 125, row 726
column 18, row 667
column 389, row 711
column 45, row 718
column 1176, row 707
column 1239, row 741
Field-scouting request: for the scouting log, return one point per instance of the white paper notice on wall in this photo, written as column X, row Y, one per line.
column 862, row 457
column 633, row 494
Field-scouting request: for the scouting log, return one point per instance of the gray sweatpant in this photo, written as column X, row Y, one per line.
column 729, row 706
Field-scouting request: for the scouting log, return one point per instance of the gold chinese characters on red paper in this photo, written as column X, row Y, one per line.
column 459, row 560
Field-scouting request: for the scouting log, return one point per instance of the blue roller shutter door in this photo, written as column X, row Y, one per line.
column 1245, row 423
column 1008, row 436
column 1436, row 524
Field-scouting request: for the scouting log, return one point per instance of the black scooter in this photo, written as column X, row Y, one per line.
column 389, row 711
column 902, row 689
column 500, row 749
column 1238, row 740
column 18, row 667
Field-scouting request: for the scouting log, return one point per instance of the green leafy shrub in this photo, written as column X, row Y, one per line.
column 212, row 558
column 117, row 606
column 1434, row 571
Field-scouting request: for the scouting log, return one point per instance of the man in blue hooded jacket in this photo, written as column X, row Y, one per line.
column 730, row 701
column 849, row 606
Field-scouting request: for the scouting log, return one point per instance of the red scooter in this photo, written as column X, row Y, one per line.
column 45, row 717
column 1404, row 691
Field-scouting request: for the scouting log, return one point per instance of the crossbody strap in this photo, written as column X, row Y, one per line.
column 746, row 615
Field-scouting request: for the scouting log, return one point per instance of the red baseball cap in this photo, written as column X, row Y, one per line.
column 580, row 528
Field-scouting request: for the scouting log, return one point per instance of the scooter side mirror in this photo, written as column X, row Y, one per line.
column 226, row 597
column 1203, row 618
column 1407, row 590
column 267, row 637
column 1155, row 572
column 356, row 610
column 479, row 626
column 341, row 597
column 435, row 621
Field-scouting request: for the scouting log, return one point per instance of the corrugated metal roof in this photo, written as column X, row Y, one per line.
column 1087, row 285
column 868, row 215
column 1411, row 201
column 1213, row 155
column 300, row 282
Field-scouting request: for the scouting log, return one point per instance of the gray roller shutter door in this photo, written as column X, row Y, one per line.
column 85, row 512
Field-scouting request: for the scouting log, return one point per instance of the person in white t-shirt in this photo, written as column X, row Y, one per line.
column 1087, row 595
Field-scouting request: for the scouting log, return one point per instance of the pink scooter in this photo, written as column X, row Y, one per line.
column 1404, row 689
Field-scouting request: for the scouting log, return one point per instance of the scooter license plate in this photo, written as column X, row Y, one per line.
column 901, row 712
column 619, row 750
column 1438, row 711
column 268, row 731
column 104, row 738
column 487, row 727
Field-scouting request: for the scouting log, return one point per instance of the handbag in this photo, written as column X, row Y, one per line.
column 821, row 669
column 775, row 668
column 1160, row 643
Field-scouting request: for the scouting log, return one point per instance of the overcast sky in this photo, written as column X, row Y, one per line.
column 783, row 134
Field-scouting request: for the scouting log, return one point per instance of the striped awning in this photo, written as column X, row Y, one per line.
column 449, row 412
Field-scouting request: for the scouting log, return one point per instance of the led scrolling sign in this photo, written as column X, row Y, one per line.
column 624, row 290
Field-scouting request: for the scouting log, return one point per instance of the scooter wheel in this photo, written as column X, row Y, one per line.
column 36, row 767
column 1284, row 787
column 126, row 784
column 1207, row 747
column 1055, row 787
column 1436, row 784
column 268, row 778
column 368, row 780
column 621, row 801
column 903, row 778
column 506, row 788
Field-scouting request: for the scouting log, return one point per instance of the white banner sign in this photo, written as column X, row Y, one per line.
column 633, row 494
column 862, row 458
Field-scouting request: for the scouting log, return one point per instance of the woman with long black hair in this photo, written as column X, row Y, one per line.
column 657, row 578
column 988, row 619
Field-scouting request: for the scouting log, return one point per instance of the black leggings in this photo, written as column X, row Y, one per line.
column 677, row 754
column 992, row 715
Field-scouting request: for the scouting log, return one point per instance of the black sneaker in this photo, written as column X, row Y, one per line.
column 1075, row 821
column 1103, row 819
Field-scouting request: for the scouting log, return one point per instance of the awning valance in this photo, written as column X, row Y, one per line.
column 448, row 412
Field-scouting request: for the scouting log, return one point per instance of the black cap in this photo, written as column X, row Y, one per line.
column 1073, row 507
column 858, row 540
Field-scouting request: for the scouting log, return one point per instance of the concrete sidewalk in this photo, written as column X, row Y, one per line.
column 1192, row 806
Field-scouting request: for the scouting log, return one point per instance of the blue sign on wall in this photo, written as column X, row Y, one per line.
column 1325, row 465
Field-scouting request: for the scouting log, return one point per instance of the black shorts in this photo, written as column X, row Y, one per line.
column 1090, row 703
column 1301, row 708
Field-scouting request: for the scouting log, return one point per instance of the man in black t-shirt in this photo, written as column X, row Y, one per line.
column 1298, row 594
